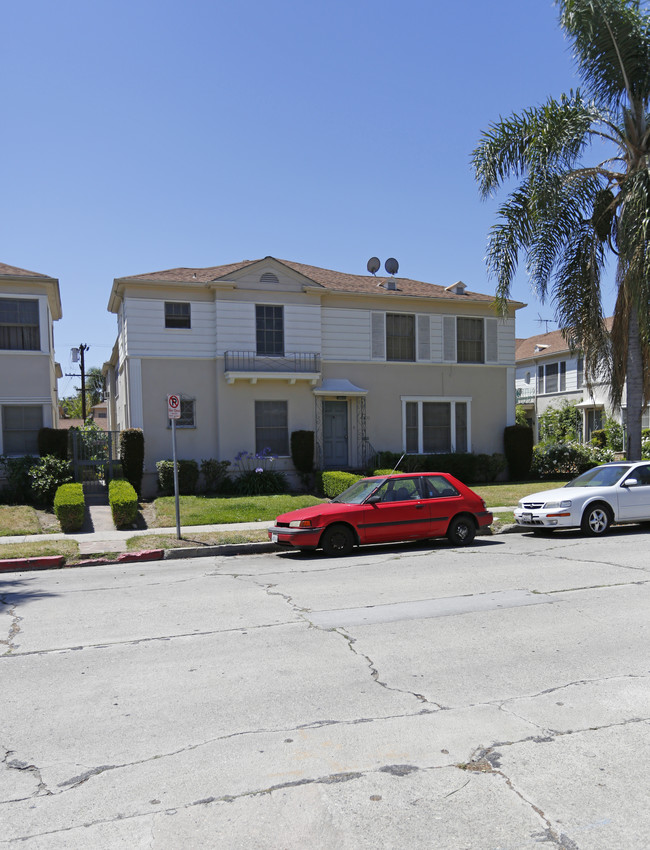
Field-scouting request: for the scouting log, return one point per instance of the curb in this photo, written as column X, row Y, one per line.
column 46, row 562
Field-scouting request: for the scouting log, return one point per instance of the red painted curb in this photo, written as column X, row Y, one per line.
column 42, row 563
column 147, row 555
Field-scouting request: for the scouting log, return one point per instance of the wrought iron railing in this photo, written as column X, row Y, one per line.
column 525, row 395
column 291, row 361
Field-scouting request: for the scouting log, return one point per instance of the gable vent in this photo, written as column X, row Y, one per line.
column 457, row 288
column 269, row 277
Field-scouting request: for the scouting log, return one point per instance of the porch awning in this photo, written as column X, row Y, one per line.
column 589, row 405
column 338, row 386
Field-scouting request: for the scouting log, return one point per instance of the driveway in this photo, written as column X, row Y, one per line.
column 408, row 696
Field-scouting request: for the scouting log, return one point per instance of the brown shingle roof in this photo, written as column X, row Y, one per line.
column 327, row 278
column 549, row 343
column 14, row 271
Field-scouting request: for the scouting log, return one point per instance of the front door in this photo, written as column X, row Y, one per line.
column 335, row 434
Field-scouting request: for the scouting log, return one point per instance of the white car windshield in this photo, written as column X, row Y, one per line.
column 359, row 492
column 600, row 476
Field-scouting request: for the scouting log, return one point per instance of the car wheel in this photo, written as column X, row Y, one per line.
column 461, row 531
column 337, row 540
column 596, row 519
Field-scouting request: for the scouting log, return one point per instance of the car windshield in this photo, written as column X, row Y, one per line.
column 599, row 476
column 359, row 491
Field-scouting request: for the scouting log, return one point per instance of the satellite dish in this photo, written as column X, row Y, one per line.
column 391, row 265
column 373, row 265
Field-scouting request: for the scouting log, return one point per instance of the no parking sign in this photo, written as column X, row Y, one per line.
column 174, row 406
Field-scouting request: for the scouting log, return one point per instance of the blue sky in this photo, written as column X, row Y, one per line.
column 149, row 134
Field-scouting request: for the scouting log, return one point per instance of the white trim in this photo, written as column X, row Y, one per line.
column 136, row 411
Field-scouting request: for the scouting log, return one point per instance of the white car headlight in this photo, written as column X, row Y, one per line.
column 565, row 504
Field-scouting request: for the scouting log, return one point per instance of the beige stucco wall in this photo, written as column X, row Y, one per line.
column 26, row 375
column 194, row 379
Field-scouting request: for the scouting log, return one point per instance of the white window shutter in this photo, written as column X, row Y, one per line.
column 378, row 336
column 491, row 343
column 424, row 338
column 449, row 339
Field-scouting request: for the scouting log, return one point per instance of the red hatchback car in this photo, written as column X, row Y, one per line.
column 386, row 509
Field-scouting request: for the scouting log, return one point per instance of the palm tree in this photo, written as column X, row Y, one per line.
column 575, row 204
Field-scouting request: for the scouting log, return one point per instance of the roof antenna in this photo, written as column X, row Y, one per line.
column 539, row 321
column 399, row 461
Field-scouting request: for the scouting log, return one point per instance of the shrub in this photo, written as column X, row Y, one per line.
column 559, row 460
column 336, row 482
column 188, row 475
column 52, row 441
column 132, row 456
column 518, row 447
column 46, row 476
column 599, row 438
column 123, row 501
column 302, row 451
column 560, row 424
column 267, row 482
column 18, row 489
column 69, row 506
column 466, row 466
column 214, row 474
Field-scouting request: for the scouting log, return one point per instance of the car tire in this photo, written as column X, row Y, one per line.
column 461, row 531
column 337, row 540
column 596, row 520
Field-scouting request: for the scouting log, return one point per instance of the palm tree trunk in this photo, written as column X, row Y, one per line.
column 634, row 388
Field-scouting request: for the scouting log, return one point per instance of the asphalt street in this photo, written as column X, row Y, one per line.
column 422, row 696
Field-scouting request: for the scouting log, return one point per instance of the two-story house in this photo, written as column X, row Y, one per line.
column 29, row 305
column 550, row 373
column 261, row 348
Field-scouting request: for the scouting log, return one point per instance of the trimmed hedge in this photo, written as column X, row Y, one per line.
column 468, row 467
column 124, row 503
column 132, row 456
column 518, row 446
column 188, row 476
column 336, row 482
column 70, row 506
column 52, row 441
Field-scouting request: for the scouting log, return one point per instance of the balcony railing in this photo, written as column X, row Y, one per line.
column 525, row 395
column 291, row 361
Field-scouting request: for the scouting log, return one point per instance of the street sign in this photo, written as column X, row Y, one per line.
column 174, row 406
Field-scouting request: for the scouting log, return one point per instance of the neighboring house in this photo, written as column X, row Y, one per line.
column 261, row 348
column 549, row 373
column 29, row 305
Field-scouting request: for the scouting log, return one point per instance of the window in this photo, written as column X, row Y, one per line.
column 20, row 427
column 581, row 373
column 186, row 419
column 562, row 376
column 400, row 337
column 594, row 422
column 551, row 377
column 177, row 314
column 19, row 325
column 271, row 427
column 436, row 426
column 469, row 340
column 540, row 379
column 269, row 330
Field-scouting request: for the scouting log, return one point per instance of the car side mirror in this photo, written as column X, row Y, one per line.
column 373, row 499
column 630, row 482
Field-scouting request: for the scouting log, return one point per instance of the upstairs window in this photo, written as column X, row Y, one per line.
column 269, row 330
column 470, row 340
column 177, row 314
column 19, row 325
column 400, row 337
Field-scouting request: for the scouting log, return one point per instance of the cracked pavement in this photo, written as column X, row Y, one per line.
column 486, row 698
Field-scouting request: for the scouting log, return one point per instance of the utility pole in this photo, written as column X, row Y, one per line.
column 78, row 354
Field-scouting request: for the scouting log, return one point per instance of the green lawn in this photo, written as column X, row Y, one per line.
column 205, row 510
column 509, row 493
column 214, row 538
column 38, row 549
column 17, row 520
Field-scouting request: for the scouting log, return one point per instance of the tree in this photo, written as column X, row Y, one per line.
column 572, row 210
column 94, row 382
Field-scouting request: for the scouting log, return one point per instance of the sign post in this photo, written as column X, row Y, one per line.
column 174, row 413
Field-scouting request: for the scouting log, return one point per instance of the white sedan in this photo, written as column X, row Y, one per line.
column 613, row 492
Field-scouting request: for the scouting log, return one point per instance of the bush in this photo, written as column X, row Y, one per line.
column 468, row 467
column 336, row 482
column 46, row 476
column 69, row 506
column 268, row 482
column 52, row 441
column 18, row 490
column 560, row 424
column 302, row 451
column 124, row 503
column 188, row 476
column 518, row 447
column 559, row 460
column 214, row 475
column 599, row 438
column 132, row 457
